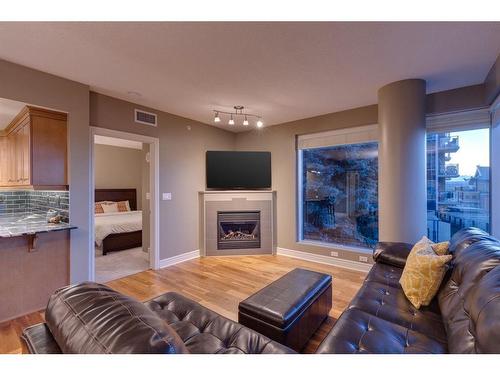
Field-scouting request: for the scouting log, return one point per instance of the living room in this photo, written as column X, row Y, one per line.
column 293, row 197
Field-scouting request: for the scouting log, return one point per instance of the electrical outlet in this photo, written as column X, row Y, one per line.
column 363, row 259
column 334, row 253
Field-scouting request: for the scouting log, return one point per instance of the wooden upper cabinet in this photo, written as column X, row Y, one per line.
column 4, row 157
column 35, row 150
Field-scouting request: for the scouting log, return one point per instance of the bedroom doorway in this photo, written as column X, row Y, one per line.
column 125, row 198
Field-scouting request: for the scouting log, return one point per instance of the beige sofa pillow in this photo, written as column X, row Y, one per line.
column 423, row 272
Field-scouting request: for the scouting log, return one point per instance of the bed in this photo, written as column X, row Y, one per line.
column 119, row 230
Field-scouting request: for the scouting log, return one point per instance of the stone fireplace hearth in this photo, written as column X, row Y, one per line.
column 237, row 223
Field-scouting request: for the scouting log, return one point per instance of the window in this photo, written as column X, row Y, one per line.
column 338, row 187
column 458, row 182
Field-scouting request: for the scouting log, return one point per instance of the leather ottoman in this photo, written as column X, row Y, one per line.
column 290, row 309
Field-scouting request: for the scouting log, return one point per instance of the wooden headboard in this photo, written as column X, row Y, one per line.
column 116, row 195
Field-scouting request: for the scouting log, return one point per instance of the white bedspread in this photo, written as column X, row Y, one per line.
column 116, row 222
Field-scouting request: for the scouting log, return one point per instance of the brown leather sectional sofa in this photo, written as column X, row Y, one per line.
column 463, row 318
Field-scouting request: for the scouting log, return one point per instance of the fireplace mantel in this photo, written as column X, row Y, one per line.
column 213, row 202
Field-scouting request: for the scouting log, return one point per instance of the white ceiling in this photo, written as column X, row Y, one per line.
column 117, row 142
column 8, row 110
column 282, row 71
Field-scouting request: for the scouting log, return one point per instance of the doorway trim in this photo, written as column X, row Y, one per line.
column 154, row 183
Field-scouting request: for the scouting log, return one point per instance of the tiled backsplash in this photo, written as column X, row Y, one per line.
column 34, row 201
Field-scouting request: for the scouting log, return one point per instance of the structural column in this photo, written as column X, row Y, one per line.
column 402, row 166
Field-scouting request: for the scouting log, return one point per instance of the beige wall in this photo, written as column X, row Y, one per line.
column 34, row 87
column 461, row 99
column 118, row 168
column 492, row 82
column 183, row 144
column 182, row 154
column 280, row 140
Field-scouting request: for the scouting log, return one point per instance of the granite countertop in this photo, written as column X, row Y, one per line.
column 13, row 225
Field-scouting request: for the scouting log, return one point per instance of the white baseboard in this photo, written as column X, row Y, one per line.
column 344, row 263
column 167, row 262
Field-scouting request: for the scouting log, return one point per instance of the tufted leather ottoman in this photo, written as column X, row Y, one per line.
column 290, row 309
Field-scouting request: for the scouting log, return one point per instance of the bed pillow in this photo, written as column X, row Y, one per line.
column 123, row 206
column 110, row 207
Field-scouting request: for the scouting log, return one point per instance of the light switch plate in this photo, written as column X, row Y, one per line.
column 148, row 196
column 363, row 259
column 167, row 196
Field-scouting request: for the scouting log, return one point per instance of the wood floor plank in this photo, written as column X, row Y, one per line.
column 218, row 283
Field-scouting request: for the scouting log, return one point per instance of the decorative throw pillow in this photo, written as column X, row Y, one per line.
column 423, row 273
column 123, row 206
column 98, row 208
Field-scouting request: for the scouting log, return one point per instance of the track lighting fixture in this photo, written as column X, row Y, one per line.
column 238, row 111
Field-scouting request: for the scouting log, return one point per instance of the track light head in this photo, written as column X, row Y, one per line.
column 216, row 118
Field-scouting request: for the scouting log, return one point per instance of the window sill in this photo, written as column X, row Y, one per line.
column 334, row 246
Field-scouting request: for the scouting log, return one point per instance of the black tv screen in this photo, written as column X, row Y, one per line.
column 238, row 170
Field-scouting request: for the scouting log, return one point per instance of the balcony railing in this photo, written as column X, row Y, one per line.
column 449, row 144
column 449, row 170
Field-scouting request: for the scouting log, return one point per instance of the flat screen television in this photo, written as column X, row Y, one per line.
column 238, row 170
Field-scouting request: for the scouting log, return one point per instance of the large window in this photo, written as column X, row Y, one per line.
column 339, row 193
column 458, row 182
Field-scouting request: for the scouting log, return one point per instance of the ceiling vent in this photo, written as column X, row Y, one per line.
column 147, row 118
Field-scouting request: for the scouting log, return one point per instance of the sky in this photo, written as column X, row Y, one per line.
column 474, row 150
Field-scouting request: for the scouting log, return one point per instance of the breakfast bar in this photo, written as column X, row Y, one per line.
column 34, row 261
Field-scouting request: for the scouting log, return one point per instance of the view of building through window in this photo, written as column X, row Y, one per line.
column 340, row 194
column 458, row 182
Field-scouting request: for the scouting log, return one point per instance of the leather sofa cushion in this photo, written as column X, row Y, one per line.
column 357, row 331
column 381, row 305
column 39, row 340
column 465, row 237
column 206, row 332
column 92, row 318
column 468, row 297
column 283, row 300
column 382, row 296
column 392, row 253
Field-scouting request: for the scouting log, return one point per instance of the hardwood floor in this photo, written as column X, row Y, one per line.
column 218, row 283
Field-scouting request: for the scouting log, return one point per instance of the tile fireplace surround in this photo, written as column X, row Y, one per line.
column 237, row 203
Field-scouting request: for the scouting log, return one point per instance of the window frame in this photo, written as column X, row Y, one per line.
column 338, row 137
column 464, row 121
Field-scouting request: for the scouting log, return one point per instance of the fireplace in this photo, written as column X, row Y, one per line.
column 238, row 230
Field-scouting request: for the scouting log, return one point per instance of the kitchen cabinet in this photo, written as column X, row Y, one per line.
column 34, row 150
